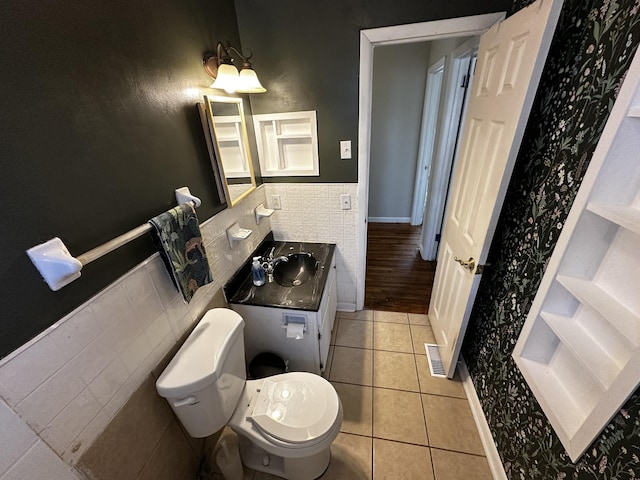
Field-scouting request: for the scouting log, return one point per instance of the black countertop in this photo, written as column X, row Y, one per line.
column 241, row 290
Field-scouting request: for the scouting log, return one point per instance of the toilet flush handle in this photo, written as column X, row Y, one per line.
column 184, row 401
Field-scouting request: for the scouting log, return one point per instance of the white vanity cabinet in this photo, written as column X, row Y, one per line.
column 265, row 330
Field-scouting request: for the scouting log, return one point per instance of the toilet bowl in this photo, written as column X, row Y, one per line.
column 285, row 423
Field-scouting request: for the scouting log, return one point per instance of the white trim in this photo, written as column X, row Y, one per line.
column 430, row 112
column 389, row 219
column 490, row 450
column 346, row 307
column 421, row 250
column 416, row 32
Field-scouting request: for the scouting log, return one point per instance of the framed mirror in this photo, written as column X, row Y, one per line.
column 231, row 146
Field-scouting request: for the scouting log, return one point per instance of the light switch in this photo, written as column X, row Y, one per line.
column 345, row 149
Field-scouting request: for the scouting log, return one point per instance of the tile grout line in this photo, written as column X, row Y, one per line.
column 414, row 444
column 424, row 417
column 373, row 411
column 460, row 452
column 433, row 467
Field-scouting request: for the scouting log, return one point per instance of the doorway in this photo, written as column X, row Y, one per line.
column 409, row 138
column 466, row 26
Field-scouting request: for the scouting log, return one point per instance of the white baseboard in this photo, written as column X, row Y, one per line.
column 490, row 450
column 389, row 219
column 346, row 307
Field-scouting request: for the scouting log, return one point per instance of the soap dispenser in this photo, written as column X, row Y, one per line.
column 257, row 272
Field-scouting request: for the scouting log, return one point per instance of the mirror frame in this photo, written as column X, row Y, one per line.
column 245, row 144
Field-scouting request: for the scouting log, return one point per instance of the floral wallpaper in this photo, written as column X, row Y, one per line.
column 590, row 54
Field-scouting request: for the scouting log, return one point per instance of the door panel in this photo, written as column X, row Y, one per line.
column 510, row 61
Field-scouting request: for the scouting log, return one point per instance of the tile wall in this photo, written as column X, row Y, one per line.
column 311, row 212
column 61, row 390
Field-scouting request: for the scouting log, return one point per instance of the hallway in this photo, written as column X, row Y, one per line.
column 397, row 277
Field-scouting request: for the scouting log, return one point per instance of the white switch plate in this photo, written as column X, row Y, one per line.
column 345, row 201
column 345, row 149
column 275, row 202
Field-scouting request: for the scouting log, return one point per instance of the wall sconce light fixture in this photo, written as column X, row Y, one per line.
column 220, row 67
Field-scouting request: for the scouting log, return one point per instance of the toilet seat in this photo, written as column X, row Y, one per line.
column 311, row 423
column 295, row 408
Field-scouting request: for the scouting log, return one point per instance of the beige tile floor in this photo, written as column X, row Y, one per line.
column 399, row 422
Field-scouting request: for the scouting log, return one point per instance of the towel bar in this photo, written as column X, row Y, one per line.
column 59, row 268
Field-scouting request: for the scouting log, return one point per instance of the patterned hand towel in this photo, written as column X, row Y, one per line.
column 182, row 249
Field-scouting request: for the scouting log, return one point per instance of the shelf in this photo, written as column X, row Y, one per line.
column 262, row 212
column 287, row 143
column 626, row 217
column 237, row 234
column 589, row 293
column 301, row 136
column 585, row 347
column 554, row 397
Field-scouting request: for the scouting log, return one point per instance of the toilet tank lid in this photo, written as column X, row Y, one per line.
column 198, row 362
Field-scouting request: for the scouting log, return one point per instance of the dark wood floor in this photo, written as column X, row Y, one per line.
column 397, row 278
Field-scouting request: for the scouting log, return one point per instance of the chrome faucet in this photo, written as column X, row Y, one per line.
column 271, row 262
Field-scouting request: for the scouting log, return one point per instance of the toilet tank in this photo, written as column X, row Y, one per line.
column 204, row 380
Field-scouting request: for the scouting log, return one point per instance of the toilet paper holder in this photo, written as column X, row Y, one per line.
column 294, row 319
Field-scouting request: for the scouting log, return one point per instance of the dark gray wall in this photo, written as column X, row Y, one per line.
column 308, row 53
column 98, row 128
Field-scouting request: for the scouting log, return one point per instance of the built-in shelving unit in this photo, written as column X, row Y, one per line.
column 287, row 143
column 579, row 349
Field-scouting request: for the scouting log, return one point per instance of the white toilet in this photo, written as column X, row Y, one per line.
column 285, row 423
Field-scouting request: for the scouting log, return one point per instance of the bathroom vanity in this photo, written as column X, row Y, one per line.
column 292, row 315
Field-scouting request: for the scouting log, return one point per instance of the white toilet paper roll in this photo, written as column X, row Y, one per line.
column 295, row 330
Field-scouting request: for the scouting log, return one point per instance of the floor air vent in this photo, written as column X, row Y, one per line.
column 435, row 363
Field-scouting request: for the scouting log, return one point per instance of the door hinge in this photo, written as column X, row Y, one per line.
column 319, row 335
column 438, row 237
column 465, row 81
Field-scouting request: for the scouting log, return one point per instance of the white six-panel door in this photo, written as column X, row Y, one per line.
column 510, row 61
